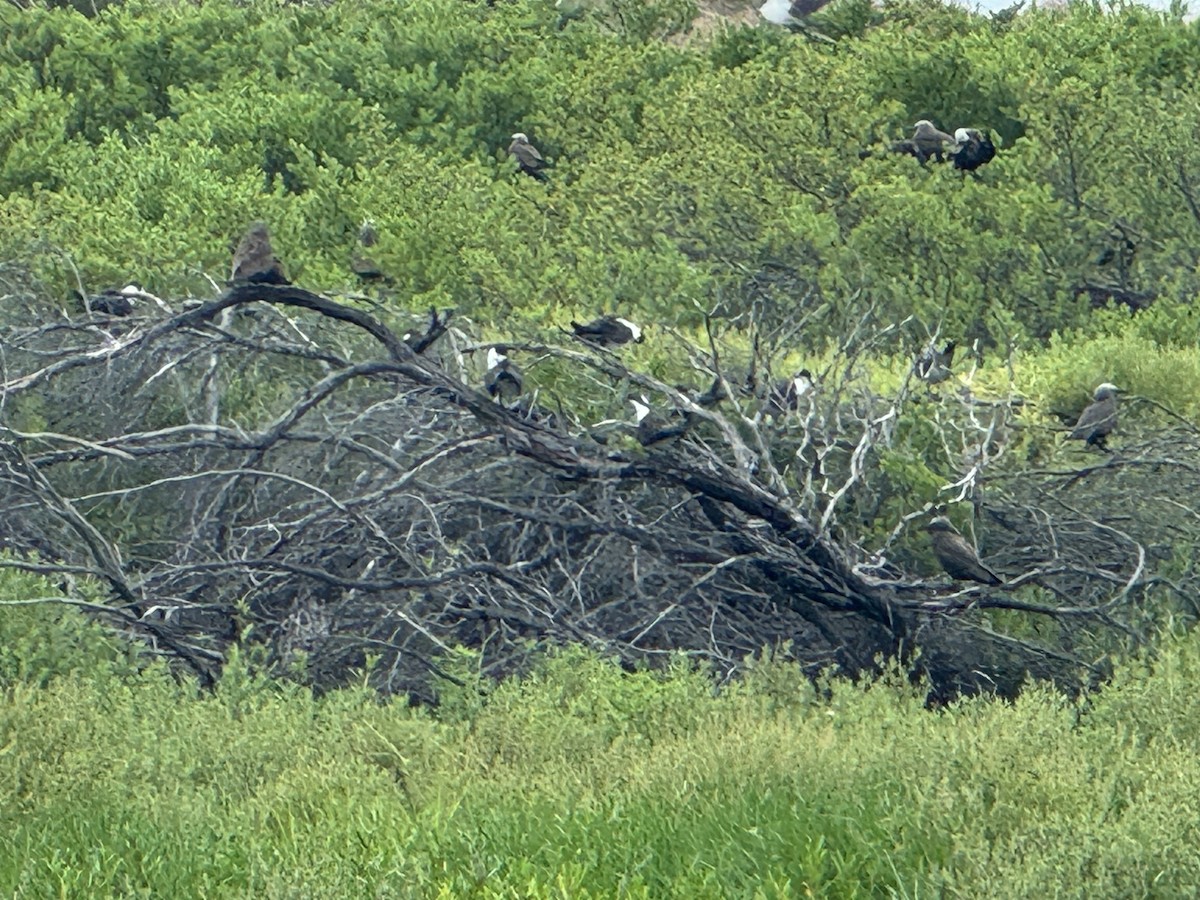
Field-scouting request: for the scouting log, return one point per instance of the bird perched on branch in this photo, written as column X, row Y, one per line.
column 653, row 430
column 503, row 380
column 957, row 557
column 1099, row 418
column 362, row 264
column 972, row 149
column 926, row 141
column 715, row 395
column 254, row 261
column 933, row 365
column 785, row 394
column 527, row 156
column 608, row 331
column 111, row 302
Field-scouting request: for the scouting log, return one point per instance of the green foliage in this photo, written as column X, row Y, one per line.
column 141, row 141
column 44, row 641
column 725, row 175
column 583, row 780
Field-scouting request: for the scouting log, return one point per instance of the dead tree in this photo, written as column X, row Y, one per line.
column 350, row 494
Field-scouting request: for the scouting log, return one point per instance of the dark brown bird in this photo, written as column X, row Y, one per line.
column 254, row 260
column 527, row 156
column 1099, row 419
column 785, row 394
column 503, row 380
column 608, row 331
column 957, row 557
column 111, row 302
column 363, row 265
column 972, row 149
column 653, row 430
column 933, row 365
column 715, row 394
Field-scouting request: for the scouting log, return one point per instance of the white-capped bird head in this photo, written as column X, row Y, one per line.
column 802, row 382
column 777, row 11
column 496, row 355
column 521, row 136
column 634, row 329
column 962, row 135
column 1104, row 391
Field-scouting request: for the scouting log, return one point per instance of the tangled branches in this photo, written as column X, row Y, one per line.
column 275, row 467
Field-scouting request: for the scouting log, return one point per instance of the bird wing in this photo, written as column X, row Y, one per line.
column 253, row 255
column 960, row 560
column 526, row 154
column 1100, row 416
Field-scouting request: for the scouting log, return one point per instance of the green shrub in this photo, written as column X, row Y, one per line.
column 42, row 641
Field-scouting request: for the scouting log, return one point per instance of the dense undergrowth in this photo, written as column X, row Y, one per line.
column 585, row 781
column 702, row 175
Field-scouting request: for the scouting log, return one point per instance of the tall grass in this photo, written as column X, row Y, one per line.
column 585, row 781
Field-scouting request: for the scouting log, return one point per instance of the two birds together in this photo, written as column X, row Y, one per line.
column 780, row 396
column 504, row 381
column 967, row 148
column 958, row 557
column 254, row 261
column 933, row 366
column 1094, row 425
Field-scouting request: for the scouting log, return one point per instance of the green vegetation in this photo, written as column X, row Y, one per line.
column 719, row 174
column 686, row 175
column 584, row 781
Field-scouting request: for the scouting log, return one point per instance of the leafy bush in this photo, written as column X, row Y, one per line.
column 684, row 176
column 42, row 640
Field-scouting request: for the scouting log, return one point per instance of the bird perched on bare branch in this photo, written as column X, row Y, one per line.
column 957, row 557
column 972, row 149
column 255, row 261
column 362, row 264
column 715, row 394
column 653, row 430
column 111, row 302
column 527, row 156
column 933, row 365
column 608, row 331
column 784, row 395
column 1099, row 418
column 503, row 380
